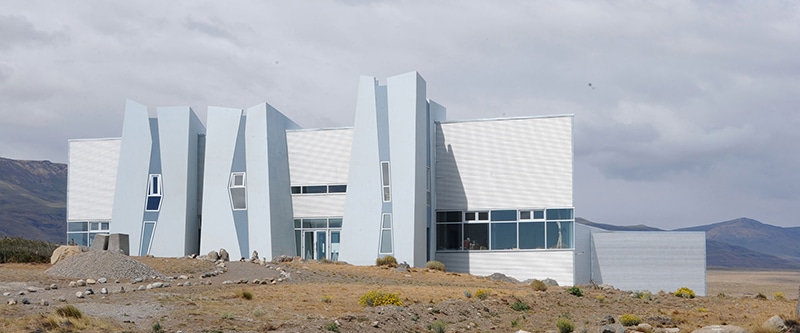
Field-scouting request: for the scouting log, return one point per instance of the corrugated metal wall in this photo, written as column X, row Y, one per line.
column 510, row 163
column 650, row 261
column 320, row 156
column 521, row 265
column 92, row 179
column 318, row 205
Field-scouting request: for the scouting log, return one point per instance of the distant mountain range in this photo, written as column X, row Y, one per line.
column 741, row 243
column 33, row 196
column 33, row 200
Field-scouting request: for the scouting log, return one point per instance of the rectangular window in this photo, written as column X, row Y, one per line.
column 386, row 234
column 449, row 236
column 504, row 236
column 154, row 193
column 104, row 226
column 148, row 229
column 559, row 214
column 78, row 238
column 337, row 188
column 531, row 235
column 483, row 216
column 317, row 189
column 94, row 226
column 385, row 176
column 295, row 189
column 238, row 191
column 428, row 186
column 524, row 215
column 476, row 236
column 450, row 216
column 315, row 223
column 470, row 216
column 559, row 235
column 538, row 214
column 335, row 222
column 504, row 215
column 77, row 226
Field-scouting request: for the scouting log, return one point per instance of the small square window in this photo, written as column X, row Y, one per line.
column 104, row 226
column 524, row 215
column 469, row 216
column 295, row 189
column 238, row 180
column 483, row 216
column 538, row 214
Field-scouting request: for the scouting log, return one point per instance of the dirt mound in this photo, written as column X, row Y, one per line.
column 96, row 264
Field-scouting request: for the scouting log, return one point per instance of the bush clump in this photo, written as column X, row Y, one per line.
column 438, row 326
column 630, row 320
column 386, row 261
column 377, row 298
column 520, row 306
column 538, row 285
column 435, row 265
column 684, row 292
column 574, row 290
column 482, row 294
column 564, row 325
column 245, row 294
column 69, row 311
column 25, row 250
column 779, row 296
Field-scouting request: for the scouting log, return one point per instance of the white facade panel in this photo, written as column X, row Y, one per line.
column 506, row 163
column 91, row 179
column 318, row 205
column 320, row 156
column 521, row 265
column 652, row 261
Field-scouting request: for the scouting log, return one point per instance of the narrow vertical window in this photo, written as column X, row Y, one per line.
column 148, row 230
column 154, row 193
column 386, row 234
column 428, row 186
column 238, row 191
column 387, row 191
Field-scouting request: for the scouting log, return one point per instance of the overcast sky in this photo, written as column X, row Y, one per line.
column 691, row 116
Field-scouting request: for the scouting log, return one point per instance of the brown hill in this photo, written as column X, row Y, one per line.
column 33, row 196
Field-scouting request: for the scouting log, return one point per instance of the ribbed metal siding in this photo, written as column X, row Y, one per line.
column 318, row 205
column 651, row 261
column 521, row 265
column 320, row 156
column 92, row 179
column 504, row 163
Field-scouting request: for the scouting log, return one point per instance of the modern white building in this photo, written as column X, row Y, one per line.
column 482, row 196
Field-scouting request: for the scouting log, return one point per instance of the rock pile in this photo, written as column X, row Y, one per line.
column 106, row 264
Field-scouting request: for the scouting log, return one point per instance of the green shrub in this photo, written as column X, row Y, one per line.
column 438, row 326
column 435, row 265
column 157, row 328
column 25, row 250
column 333, row 327
column 630, row 320
column 575, row 291
column 779, row 296
column 761, row 296
column 482, row 294
column 69, row 311
column 467, row 294
column 564, row 325
column 377, row 298
column 643, row 295
column 245, row 294
column 538, row 285
column 520, row 306
column 327, row 299
column 386, row 261
column 684, row 292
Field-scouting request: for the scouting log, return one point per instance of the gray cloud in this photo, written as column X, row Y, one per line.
column 690, row 117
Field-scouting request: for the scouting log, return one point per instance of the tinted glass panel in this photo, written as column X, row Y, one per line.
column 386, row 241
column 504, row 215
column 538, row 214
column 104, row 226
column 449, row 237
column 531, row 235
column 153, row 203
column 297, row 223
column 295, row 189
column 155, row 185
column 78, row 239
column 504, row 236
column 335, row 222
column 559, row 235
column 147, row 237
column 483, row 216
column 387, row 221
column 524, row 215
column 559, row 214
column 469, row 216
column 315, row 223
column 452, row 216
column 77, row 226
column 239, row 198
column 315, row 189
column 238, row 180
column 385, row 173
column 297, row 242
column 94, row 226
column 337, row 188
column 387, row 196
column 476, row 236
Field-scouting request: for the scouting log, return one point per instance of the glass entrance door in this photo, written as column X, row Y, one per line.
column 315, row 244
column 321, row 244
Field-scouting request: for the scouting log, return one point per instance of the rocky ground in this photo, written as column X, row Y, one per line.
column 196, row 295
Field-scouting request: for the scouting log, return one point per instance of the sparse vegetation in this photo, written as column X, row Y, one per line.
column 25, row 250
column 779, row 296
column 601, row 298
column 520, row 306
column 245, row 294
column 761, row 296
column 332, row 327
column 157, row 328
column 565, row 325
column 467, row 294
column 482, row 294
column 575, row 290
column 630, row 320
column 327, row 299
column 643, row 295
column 435, row 265
column 684, row 292
column 538, row 285
column 69, row 311
column 227, row 315
column 377, row 298
column 386, row 261
column 438, row 326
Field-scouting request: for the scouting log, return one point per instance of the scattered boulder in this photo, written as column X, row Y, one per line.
column 213, row 255
column 79, row 294
column 64, row 251
column 6, row 294
column 502, row 277
column 44, row 303
column 91, row 281
column 775, row 323
column 254, row 257
column 62, row 299
column 32, row 289
column 53, row 286
column 550, row 282
column 223, row 255
column 607, row 319
column 720, row 329
column 11, row 302
column 402, row 268
column 103, row 291
column 80, row 283
column 102, row 280
column 25, row 301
